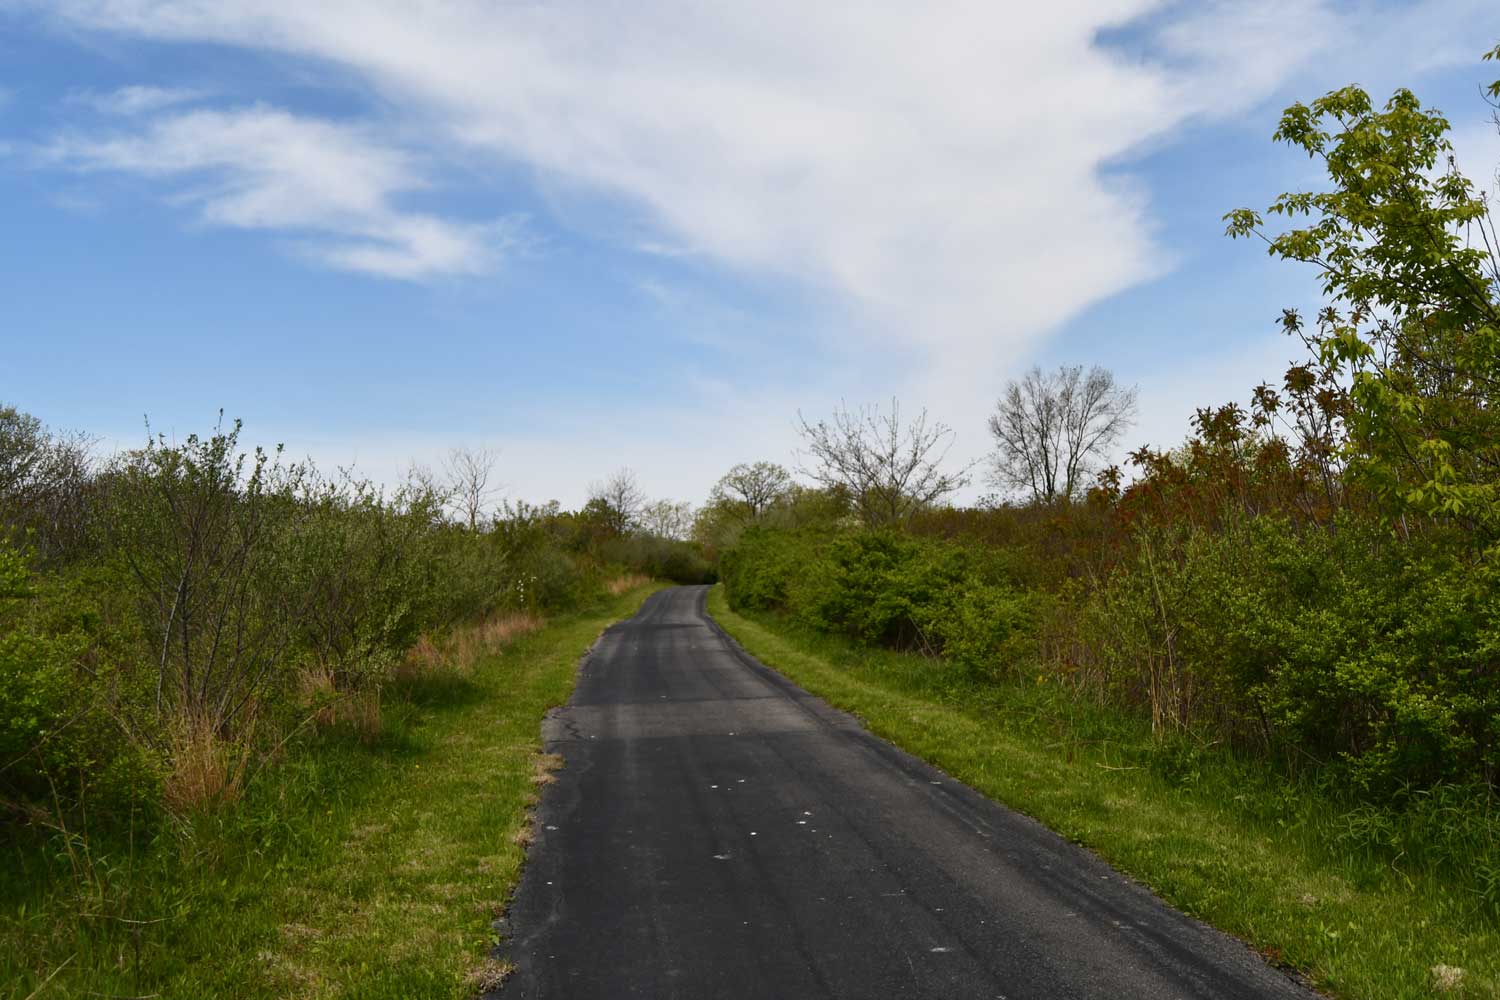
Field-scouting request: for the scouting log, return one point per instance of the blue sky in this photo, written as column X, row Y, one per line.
column 601, row 234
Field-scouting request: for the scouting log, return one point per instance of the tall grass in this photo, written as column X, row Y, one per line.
column 347, row 866
column 624, row 583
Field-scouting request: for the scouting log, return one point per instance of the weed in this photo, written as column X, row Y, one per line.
column 625, row 583
column 206, row 769
column 489, row 975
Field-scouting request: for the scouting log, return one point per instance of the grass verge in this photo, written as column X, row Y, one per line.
column 354, row 868
column 1222, row 839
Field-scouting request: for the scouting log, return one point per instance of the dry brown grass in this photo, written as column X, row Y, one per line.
column 504, row 628
column 316, row 689
column 361, row 709
column 625, row 582
column 465, row 646
column 206, row 770
column 423, row 658
column 490, row 975
column 320, row 695
column 542, row 768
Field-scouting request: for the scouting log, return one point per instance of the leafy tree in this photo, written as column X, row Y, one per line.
column 44, row 479
column 668, row 519
column 1408, row 351
column 750, row 489
column 206, row 532
column 1052, row 429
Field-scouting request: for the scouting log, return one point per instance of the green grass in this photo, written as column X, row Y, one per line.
column 1309, row 880
column 349, row 870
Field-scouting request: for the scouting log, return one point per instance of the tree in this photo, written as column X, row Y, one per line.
column 469, row 489
column 1051, row 429
column 44, row 483
column 208, row 533
column 619, row 499
column 889, row 471
column 668, row 519
column 1408, row 350
column 750, row 489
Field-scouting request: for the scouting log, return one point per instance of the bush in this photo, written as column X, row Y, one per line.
column 1376, row 656
column 989, row 629
column 757, row 571
column 65, row 704
column 887, row 588
column 879, row 587
column 188, row 607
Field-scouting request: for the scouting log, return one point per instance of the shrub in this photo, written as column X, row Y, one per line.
column 988, row 629
column 64, row 702
column 758, row 570
column 879, row 587
column 1373, row 655
column 888, row 588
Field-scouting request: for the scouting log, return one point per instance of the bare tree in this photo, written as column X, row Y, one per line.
column 889, row 471
column 750, row 489
column 668, row 519
column 469, row 488
column 422, row 491
column 622, row 498
column 1051, row 429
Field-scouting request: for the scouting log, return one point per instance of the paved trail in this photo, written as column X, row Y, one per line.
column 717, row 832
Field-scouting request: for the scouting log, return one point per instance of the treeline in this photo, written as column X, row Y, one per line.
column 1313, row 578
column 174, row 618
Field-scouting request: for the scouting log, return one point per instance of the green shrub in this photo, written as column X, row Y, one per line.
column 989, row 629
column 1373, row 655
column 879, row 587
column 883, row 587
column 65, row 704
column 1377, row 658
column 758, row 571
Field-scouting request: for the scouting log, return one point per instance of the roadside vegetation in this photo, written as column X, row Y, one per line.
column 239, row 698
column 1285, row 629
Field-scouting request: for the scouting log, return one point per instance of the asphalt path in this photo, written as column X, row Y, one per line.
column 717, row 832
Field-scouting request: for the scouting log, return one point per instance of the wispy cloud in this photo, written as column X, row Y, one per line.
column 939, row 165
column 137, row 99
column 934, row 165
column 332, row 186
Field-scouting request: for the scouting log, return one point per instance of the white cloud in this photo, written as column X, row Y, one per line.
column 333, row 185
column 135, row 100
column 937, row 165
column 937, row 170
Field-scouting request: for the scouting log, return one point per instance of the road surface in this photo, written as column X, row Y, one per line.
column 717, row 833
